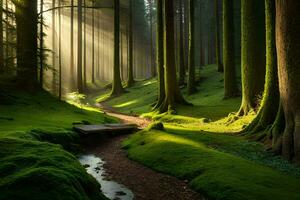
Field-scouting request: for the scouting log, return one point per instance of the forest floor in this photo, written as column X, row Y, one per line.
column 200, row 145
column 38, row 147
column 145, row 183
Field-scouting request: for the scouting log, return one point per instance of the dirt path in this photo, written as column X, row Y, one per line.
column 129, row 119
column 146, row 184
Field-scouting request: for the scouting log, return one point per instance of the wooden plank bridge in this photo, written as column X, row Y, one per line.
column 105, row 129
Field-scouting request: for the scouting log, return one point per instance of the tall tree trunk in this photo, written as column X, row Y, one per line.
column 1, row 39
column 288, row 45
column 54, row 85
column 98, row 43
column 153, row 68
column 230, row 83
column 217, row 37
column 79, row 47
column 117, row 87
column 173, row 94
column 72, row 44
column 84, row 47
column 253, row 54
column 130, row 80
column 270, row 103
column 160, row 53
column 59, row 52
column 41, row 81
column 93, row 43
column 191, row 84
column 181, row 46
column 26, row 19
column 6, row 36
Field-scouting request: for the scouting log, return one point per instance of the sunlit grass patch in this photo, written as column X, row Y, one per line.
column 218, row 165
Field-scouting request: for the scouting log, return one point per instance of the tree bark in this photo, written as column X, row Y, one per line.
column 191, row 84
column 130, row 80
column 1, row 39
column 93, row 43
column 41, row 56
column 79, row 47
column 26, row 19
column 217, row 37
column 160, row 54
column 181, row 46
column 270, row 103
column 84, row 47
column 117, row 87
column 288, row 45
column 253, row 54
column 72, row 44
column 173, row 94
column 59, row 54
column 230, row 83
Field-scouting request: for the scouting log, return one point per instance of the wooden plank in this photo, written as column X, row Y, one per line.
column 104, row 128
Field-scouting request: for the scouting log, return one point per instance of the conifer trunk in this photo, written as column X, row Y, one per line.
column 217, row 37
column 59, row 53
column 72, row 43
column 288, row 45
column 173, row 94
column 270, row 103
column 79, row 47
column 26, row 19
column 181, row 46
column 1, row 39
column 191, row 86
column 130, row 77
column 117, row 87
column 93, row 43
column 160, row 54
column 253, row 54
column 230, row 83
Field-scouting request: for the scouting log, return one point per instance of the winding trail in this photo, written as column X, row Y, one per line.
column 146, row 184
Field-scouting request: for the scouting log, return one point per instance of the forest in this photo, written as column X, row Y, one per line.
column 150, row 99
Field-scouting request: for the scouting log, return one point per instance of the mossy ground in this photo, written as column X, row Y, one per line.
column 200, row 144
column 35, row 132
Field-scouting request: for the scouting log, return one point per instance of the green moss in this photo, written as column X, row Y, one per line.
column 220, row 166
column 40, row 170
column 35, row 131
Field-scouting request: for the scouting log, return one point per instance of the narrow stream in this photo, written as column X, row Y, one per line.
column 111, row 189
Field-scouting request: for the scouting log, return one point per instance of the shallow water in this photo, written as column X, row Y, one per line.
column 110, row 188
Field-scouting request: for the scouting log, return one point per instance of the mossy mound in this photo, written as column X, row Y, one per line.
column 40, row 170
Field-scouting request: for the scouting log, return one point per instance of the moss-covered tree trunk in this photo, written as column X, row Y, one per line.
column 26, row 20
column 217, row 37
column 130, row 78
column 191, row 84
column 270, row 102
column 173, row 94
column 181, row 80
column 117, row 87
column 230, row 83
column 160, row 53
column 253, row 53
column 79, row 47
column 288, row 45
